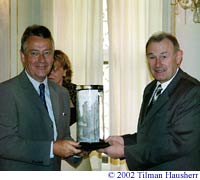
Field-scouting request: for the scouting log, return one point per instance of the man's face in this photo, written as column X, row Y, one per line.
column 163, row 61
column 37, row 57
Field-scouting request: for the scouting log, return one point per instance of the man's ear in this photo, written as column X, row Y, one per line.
column 22, row 56
column 179, row 57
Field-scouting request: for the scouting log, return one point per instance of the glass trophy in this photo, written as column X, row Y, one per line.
column 90, row 120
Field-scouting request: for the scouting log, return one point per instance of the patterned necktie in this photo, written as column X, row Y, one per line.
column 42, row 94
column 156, row 94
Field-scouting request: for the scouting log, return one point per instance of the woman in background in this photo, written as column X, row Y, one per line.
column 61, row 73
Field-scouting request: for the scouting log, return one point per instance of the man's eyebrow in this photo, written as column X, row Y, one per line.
column 165, row 52
column 49, row 49
column 33, row 50
column 148, row 54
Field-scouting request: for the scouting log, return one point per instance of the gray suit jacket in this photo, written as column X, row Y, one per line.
column 168, row 136
column 26, row 130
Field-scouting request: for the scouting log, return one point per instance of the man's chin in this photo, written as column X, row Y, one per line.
column 42, row 76
column 160, row 79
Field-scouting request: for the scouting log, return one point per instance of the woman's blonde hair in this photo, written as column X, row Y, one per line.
column 63, row 59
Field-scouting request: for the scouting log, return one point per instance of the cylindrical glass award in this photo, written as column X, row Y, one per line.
column 90, row 120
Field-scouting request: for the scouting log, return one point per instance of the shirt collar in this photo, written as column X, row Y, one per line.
column 36, row 83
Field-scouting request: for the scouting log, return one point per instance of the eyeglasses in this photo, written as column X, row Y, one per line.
column 36, row 53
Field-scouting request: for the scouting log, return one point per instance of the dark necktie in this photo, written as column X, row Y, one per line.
column 42, row 94
column 156, row 94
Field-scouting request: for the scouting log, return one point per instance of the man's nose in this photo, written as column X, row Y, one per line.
column 158, row 62
column 41, row 57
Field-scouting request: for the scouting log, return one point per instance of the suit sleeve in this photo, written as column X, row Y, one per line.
column 130, row 139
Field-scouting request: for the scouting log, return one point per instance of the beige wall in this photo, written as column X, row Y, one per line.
column 188, row 35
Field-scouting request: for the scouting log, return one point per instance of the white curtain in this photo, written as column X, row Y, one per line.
column 78, row 31
column 15, row 16
column 130, row 23
column 4, row 40
column 76, row 26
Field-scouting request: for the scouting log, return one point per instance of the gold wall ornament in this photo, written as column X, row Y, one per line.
column 193, row 5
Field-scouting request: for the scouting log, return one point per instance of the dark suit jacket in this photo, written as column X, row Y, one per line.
column 72, row 93
column 26, row 130
column 168, row 136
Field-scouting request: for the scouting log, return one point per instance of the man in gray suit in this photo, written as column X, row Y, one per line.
column 34, row 121
column 168, row 135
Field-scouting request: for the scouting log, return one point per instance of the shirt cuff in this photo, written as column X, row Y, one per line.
column 51, row 150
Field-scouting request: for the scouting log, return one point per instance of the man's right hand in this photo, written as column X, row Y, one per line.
column 66, row 148
column 116, row 148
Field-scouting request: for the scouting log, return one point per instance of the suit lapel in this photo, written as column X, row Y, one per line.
column 147, row 116
column 30, row 91
column 33, row 102
column 162, row 100
column 54, row 102
column 147, row 97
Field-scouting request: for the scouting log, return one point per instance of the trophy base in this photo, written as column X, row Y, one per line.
column 93, row 146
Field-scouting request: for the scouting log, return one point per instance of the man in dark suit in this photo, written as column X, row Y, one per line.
column 34, row 123
column 168, row 135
